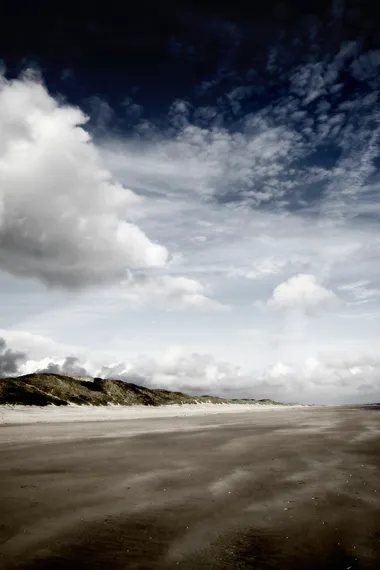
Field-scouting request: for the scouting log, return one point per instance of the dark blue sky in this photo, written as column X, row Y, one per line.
column 161, row 51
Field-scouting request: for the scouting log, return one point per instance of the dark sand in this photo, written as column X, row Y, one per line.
column 290, row 489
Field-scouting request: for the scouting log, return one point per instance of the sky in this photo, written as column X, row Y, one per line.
column 189, row 196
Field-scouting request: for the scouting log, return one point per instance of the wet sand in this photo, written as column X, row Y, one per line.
column 291, row 489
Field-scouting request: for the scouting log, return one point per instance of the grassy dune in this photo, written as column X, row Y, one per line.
column 42, row 389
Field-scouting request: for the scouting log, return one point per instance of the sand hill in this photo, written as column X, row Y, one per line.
column 41, row 389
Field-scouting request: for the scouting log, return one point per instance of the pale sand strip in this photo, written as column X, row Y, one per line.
column 51, row 414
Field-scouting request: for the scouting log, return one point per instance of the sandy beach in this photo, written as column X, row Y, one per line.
column 73, row 413
column 290, row 488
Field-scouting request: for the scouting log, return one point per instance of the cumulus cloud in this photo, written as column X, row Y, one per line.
column 10, row 360
column 177, row 369
column 168, row 291
column 37, row 346
column 302, row 292
column 70, row 366
column 63, row 219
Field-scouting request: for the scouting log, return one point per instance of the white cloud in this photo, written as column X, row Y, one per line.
column 302, row 292
column 166, row 291
column 10, row 360
column 325, row 379
column 63, row 219
column 38, row 350
column 173, row 369
column 178, row 369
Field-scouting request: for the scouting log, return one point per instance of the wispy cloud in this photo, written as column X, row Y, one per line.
column 312, row 147
column 360, row 292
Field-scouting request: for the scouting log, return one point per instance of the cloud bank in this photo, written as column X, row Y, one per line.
column 331, row 377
